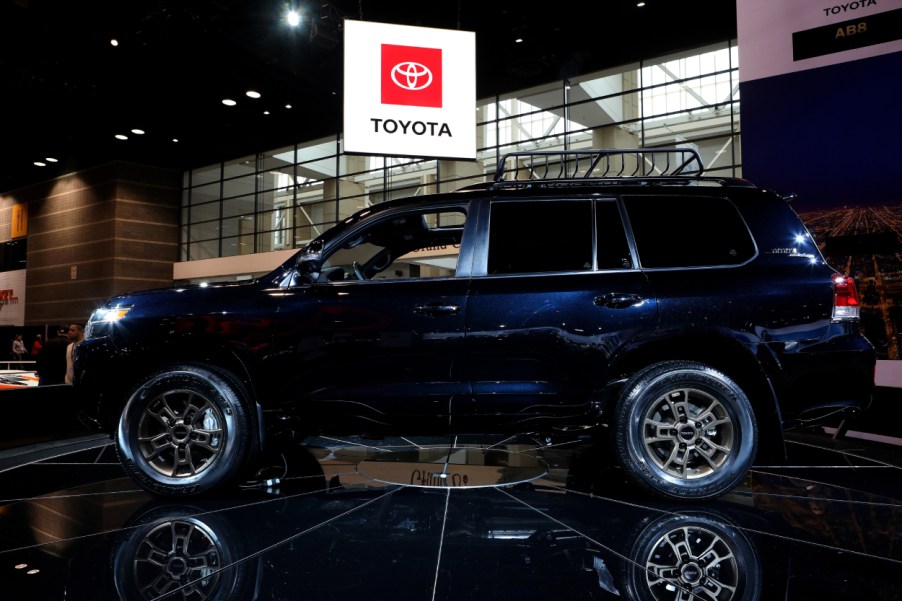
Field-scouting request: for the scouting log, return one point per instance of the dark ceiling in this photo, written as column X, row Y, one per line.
column 66, row 91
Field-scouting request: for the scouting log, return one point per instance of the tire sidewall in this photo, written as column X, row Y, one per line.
column 236, row 431
column 650, row 385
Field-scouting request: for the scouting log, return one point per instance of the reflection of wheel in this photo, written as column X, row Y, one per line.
column 686, row 557
column 684, row 430
column 171, row 552
column 185, row 431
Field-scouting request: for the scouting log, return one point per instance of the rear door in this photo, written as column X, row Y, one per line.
column 556, row 291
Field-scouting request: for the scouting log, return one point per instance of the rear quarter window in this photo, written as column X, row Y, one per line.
column 686, row 231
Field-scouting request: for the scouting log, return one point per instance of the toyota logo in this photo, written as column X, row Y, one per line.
column 411, row 76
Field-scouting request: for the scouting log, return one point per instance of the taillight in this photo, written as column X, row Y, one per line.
column 846, row 302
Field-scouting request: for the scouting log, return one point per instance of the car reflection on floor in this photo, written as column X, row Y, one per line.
column 454, row 519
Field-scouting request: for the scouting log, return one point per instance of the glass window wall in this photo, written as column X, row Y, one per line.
column 283, row 198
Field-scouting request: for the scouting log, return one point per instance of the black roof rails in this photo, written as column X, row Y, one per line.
column 599, row 164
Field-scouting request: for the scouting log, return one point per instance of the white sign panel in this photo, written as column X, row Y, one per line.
column 777, row 37
column 12, row 298
column 409, row 91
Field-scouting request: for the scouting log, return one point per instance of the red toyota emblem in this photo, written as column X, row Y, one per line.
column 411, row 76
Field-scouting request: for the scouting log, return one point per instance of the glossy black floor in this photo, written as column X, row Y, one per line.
column 459, row 518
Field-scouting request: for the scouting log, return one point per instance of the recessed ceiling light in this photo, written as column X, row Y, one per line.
column 252, row 94
column 138, row 132
column 265, row 112
column 229, row 102
column 288, row 106
column 114, row 42
column 640, row 4
column 51, row 160
column 519, row 40
column 176, row 140
column 121, row 137
column 293, row 18
column 40, row 164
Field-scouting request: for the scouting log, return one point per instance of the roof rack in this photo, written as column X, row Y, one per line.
column 599, row 164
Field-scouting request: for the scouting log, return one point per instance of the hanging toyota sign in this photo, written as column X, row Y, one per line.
column 409, row 91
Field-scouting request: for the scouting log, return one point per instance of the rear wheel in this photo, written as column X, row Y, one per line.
column 684, row 430
column 185, row 431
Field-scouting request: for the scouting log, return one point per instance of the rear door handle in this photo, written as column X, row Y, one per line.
column 618, row 300
column 436, row 309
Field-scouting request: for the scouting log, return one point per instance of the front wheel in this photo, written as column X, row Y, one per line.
column 185, row 431
column 684, row 430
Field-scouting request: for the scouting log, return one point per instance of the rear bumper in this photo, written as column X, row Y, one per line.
column 828, row 380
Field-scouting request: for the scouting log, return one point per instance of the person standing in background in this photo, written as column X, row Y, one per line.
column 36, row 347
column 76, row 335
column 19, row 349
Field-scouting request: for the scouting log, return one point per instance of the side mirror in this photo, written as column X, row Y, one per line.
column 310, row 261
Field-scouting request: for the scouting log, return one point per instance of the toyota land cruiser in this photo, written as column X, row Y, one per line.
column 693, row 316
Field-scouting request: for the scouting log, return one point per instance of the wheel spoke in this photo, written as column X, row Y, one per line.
column 184, row 458
column 162, row 412
column 672, row 458
column 715, row 412
column 153, row 555
column 715, row 448
column 205, row 440
column 658, row 431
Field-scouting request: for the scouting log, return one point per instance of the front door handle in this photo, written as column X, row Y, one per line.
column 436, row 309
column 618, row 300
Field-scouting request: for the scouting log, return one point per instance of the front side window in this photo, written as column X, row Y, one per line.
column 407, row 244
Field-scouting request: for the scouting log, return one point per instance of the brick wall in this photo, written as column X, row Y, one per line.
column 93, row 234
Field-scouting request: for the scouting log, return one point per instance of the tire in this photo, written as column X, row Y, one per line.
column 185, row 431
column 684, row 430
column 183, row 552
column 692, row 557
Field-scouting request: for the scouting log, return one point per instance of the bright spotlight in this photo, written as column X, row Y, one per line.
column 293, row 18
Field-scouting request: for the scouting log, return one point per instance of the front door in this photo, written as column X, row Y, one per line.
column 381, row 327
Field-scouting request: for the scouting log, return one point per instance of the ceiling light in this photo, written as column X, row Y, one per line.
column 40, row 164
column 138, row 132
column 176, row 140
column 293, row 18
column 265, row 112
column 51, row 160
column 229, row 102
column 121, row 137
column 252, row 94
column 114, row 42
column 640, row 4
column 518, row 40
column 288, row 106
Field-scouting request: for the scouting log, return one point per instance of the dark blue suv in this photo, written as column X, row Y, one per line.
column 691, row 318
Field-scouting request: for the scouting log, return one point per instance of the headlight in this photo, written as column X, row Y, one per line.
column 104, row 316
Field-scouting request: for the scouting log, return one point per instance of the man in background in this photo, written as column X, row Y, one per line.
column 76, row 335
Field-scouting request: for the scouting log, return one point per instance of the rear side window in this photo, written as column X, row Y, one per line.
column 539, row 237
column 684, row 231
